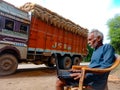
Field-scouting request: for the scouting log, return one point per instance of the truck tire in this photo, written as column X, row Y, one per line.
column 51, row 61
column 8, row 64
column 65, row 63
column 76, row 61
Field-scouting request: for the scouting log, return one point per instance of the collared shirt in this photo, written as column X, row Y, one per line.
column 102, row 57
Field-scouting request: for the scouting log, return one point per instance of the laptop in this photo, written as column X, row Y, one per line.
column 61, row 73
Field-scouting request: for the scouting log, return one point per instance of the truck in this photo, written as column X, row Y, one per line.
column 32, row 33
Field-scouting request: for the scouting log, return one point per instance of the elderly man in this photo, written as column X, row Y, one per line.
column 102, row 57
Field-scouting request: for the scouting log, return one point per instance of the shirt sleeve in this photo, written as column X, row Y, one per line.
column 108, row 56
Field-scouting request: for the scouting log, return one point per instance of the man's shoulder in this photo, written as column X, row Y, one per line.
column 107, row 46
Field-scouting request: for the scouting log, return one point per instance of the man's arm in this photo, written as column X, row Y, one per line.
column 108, row 56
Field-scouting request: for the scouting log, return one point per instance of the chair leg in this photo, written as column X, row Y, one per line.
column 81, row 79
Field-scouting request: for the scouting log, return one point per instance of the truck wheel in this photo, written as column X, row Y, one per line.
column 51, row 61
column 65, row 63
column 76, row 61
column 8, row 64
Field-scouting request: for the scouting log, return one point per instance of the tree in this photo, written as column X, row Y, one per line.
column 114, row 32
column 90, row 51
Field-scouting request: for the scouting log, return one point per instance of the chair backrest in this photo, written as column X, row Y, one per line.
column 98, row 70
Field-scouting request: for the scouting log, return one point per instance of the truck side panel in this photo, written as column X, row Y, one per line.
column 46, row 37
column 55, row 39
column 37, row 34
column 49, row 37
column 60, row 39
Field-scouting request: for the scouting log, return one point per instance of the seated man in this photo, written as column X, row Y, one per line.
column 102, row 57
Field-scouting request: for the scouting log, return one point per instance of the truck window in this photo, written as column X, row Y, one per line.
column 23, row 28
column 9, row 25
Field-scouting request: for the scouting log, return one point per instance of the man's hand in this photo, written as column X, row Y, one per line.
column 76, row 74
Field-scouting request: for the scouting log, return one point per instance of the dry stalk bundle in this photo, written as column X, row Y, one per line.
column 53, row 18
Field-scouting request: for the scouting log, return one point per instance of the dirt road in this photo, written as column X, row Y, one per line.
column 40, row 78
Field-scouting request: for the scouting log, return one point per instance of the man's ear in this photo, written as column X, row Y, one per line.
column 99, row 38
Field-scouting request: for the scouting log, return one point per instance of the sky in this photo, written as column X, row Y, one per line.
column 90, row 14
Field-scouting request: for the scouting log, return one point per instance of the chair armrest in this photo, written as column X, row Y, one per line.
column 76, row 67
column 96, row 70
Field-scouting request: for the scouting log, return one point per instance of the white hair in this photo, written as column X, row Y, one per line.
column 97, row 33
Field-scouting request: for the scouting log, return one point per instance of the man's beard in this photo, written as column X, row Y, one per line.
column 94, row 46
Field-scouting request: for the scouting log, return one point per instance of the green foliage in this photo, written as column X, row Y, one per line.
column 114, row 32
column 90, row 51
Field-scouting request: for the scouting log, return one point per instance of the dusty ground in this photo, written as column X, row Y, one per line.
column 42, row 78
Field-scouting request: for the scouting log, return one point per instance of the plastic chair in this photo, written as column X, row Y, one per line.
column 85, row 69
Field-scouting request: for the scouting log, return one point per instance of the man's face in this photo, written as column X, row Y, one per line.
column 92, row 40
